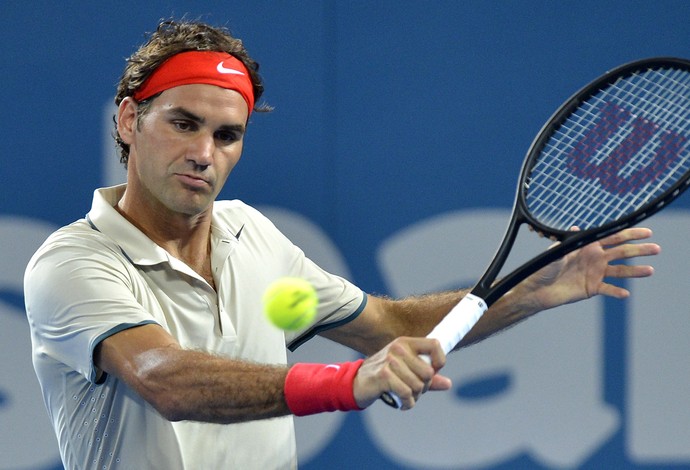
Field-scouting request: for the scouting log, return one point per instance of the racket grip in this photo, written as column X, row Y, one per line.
column 458, row 322
column 449, row 332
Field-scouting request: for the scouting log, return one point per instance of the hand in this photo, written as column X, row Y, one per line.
column 581, row 274
column 398, row 368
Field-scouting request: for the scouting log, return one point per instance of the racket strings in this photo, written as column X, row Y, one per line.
column 623, row 147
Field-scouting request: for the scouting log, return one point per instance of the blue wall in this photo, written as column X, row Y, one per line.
column 403, row 125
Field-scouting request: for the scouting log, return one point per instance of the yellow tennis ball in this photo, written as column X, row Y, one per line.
column 290, row 303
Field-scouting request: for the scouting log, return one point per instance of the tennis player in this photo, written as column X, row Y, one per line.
column 148, row 336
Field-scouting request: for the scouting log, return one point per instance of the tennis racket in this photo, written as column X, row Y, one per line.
column 612, row 155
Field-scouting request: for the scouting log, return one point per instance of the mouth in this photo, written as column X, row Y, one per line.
column 193, row 181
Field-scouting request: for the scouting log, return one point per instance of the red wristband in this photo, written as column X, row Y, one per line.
column 314, row 388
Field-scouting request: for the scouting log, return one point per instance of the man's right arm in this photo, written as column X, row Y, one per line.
column 183, row 384
column 191, row 385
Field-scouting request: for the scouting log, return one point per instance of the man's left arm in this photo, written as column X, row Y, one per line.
column 579, row 275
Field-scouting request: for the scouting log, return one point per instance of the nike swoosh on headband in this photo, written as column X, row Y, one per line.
column 223, row 69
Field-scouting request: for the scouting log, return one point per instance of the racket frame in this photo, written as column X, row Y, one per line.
column 568, row 240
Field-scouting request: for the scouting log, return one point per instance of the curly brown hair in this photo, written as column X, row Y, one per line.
column 172, row 37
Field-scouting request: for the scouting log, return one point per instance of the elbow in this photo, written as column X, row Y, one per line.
column 158, row 374
column 155, row 382
column 165, row 397
column 169, row 407
column 166, row 401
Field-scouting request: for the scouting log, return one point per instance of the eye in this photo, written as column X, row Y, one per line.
column 184, row 125
column 227, row 137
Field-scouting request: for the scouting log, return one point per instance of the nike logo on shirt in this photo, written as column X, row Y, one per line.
column 237, row 235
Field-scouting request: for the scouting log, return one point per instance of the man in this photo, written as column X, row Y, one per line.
column 148, row 337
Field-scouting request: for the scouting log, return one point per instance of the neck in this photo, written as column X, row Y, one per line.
column 187, row 238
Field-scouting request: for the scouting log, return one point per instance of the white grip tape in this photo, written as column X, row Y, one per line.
column 458, row 322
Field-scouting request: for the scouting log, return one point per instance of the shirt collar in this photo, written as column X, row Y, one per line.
column 139, row 248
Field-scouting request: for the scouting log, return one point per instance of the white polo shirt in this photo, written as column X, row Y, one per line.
column 101, row 275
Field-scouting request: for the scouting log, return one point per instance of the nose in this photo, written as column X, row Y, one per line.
column 200, row 151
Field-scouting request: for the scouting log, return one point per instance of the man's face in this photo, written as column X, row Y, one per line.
column 184, row 147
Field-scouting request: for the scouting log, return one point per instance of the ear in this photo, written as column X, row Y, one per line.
column 127, row 119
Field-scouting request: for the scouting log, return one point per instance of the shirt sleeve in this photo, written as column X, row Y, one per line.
column 78, row 291
column 340, row 301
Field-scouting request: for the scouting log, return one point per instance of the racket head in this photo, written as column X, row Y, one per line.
column 613, row 154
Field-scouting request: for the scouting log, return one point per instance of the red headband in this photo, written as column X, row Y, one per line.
column 209, row 67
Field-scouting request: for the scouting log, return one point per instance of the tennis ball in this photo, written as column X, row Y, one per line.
column 290, row 303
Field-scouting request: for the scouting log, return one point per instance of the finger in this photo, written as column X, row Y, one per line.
column 418, row 368
column 414, row 375
column 616, row 292
column 403, row 391
column 432, row 353
column 633, row 250
column 626, row 235
column 623, row 271
column 409, row 373
column 383, row 372
column 419, row 354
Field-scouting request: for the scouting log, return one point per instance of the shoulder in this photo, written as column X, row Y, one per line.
column 79, row 235
column 233, row 215
column 227, row 209
column 79, row 243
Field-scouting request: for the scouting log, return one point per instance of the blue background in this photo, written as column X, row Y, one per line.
column 386, row 113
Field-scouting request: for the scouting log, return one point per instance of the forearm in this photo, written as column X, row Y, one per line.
column 512, row 308
column 386, row 319
column 420, row 314
column 416, row 316
column 191, row 385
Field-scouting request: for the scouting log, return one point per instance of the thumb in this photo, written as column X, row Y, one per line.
column 440, row 382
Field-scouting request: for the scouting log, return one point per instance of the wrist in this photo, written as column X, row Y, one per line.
column 517, row 304
column 316, row 388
